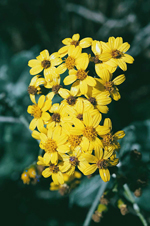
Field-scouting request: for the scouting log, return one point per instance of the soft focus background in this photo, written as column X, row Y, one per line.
column 28, row 27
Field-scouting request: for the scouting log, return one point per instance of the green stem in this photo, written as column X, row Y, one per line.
column 135, row 205
column 94, row 204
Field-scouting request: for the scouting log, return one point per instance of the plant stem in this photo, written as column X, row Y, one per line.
column 135, row 205
column 95, row 203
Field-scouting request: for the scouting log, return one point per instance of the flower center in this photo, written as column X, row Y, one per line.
column 116, row 54
column 81, row 74
column 96, row 60
column 92, row 100
column 50, row 145
column 36, row 111
column 32, row 90
column 45, row 64
column 54, row 168
column 73, row 161
column 74, row 140
column 56, row 88
column 102, row 164
column 108, row 139
column 71, row 100
column 90, row 133
column 70, row 62
column 75, row 43
column 56, row 117
column 109, row 86
column 80, row 116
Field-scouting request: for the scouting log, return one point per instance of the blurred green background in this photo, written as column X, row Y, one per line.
column 28, row 27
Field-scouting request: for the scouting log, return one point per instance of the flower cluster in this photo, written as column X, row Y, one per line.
column 70, row 130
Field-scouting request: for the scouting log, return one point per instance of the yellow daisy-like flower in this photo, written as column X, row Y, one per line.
column 89, row 129
column 79, row 109
column 58, row 117
column 115, row 52
column 71, row 61
column 99, row 64
column 25, row 177
column 84, row 81
column 73, row 160
column 53, row 143
column 102, row 162
column 83, row 43
column 32, row 173
column 45, row 62
column 107, row 84
column 68, row 96
column 38, row 111
column 54, row 171
column 99, row 101
column 109, row 141
column 34, row 87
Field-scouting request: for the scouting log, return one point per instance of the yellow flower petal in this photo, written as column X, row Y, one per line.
column 90, row 170
column 103, row 109
column 60, row 178
column 89, row 158
column 44, row 54
column 63, row 51
column 40, row 126
column 105, row 56
column 128, row 59
column 45, row 116
column 46, row 173
column 55, row 178
column 116, row 95
column 41, row 101
column 118, row 42
column 119, row 79
column 96, row 47
column 105, row 174
column 85, row 42
column 111, row 42
column 124, row 47
column 54, row 157
column 107, row 154
column 47, row 105
column 35, row 70
column 83, row 87
column 102, row 130
column 99, row 153
column 120, row 134
column 82, row 61
column 122, row 64
column 90, row 81
column 105, row 47
column 63, row 168
column 76, row 37
column 30, row 109
column 34, row 63
column 36, row 135
column 70, row 79
column 67, row 41
column 33, row 124
column 107, row 123
column 63, row 149
column 61, row 68
column 43, row 137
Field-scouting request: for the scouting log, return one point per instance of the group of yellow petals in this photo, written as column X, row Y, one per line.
column 69, row 132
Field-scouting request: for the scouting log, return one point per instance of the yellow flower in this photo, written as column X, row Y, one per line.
column 109, row 141
column 73, row 160
column 34, row 87
column 107, row 84
column 68, row 96
column 54, row 171
column 83, row 43
column 58, row 117
column 25, row 177
column 102, row 162
column 53, row 143
column 71, row 61
column 45, row 62
column 89, row 129
column 38, row 111
column 99, row 64
column 99, row 101
column 32, row 173
column 84, row 81
column 114, row 53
